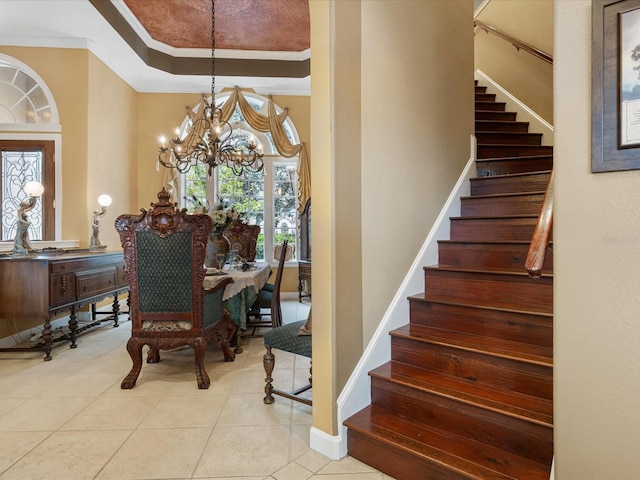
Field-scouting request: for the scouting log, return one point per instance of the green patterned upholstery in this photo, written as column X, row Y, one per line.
column 159, row 275
column 286, row 338
column 212, row 305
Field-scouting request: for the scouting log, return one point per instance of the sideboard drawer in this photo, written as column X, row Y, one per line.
column 95, row 282
column 63, row 289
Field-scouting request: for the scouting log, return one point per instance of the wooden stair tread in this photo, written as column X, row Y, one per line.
column 421, row 298
column 511, row 175
column 522, row 158
column 518, row 405
column 457, row 453
column 501, row 195
column 509, row 273
column 492, row 217
column 489, row 242
column 521, row 352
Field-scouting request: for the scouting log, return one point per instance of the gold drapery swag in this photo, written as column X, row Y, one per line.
column 272, row 123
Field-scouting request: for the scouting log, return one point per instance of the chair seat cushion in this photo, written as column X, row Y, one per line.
column 286, row 338
column 263, row 300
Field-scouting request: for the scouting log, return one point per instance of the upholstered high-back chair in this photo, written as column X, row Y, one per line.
column 268, row 301
column 164, row 250
column 244, row 238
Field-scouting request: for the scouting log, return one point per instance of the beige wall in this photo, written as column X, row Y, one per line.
column 525, row 76
column 386, row 155
column 596, row 278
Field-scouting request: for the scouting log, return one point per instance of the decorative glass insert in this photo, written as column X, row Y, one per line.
column 22, row 100
column 18, row 168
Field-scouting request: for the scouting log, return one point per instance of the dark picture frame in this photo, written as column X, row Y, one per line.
column 615, row 142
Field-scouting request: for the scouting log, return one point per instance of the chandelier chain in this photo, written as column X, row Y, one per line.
column 213, row 52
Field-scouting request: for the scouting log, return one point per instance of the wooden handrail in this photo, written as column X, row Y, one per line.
column 519, row 44
column 541, row 235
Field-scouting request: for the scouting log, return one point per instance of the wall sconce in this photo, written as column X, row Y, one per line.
column 21, row 243
column 94, row 244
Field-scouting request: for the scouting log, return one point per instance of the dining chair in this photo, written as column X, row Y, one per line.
column 243, row 238
column 164, row 250
column 268, row 301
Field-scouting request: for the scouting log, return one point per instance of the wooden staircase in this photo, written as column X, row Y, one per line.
column 468, row 391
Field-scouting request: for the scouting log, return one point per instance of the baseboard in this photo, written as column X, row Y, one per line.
column 328, row 445
column 357, row 392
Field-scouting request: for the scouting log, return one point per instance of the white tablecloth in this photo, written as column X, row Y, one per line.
column 241, row 280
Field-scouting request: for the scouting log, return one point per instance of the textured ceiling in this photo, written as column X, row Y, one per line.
column 271, row 25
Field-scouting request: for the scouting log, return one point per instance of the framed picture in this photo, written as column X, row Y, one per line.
column 615, row 143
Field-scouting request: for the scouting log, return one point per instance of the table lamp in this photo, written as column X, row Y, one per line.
column 21, row 243
column 104, row 201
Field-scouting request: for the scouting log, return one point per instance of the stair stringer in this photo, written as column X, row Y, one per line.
column 357, row 391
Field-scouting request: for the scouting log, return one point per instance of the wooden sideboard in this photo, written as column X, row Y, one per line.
column 37, row 287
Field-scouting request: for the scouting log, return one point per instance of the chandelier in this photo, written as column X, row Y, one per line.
column 210, row 139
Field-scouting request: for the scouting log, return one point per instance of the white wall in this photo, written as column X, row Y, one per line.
column 596, row 280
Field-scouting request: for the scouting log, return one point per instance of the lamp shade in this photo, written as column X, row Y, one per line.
column 104, row 200
column 33, row 189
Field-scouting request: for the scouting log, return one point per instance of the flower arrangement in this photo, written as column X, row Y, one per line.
column 222, row 217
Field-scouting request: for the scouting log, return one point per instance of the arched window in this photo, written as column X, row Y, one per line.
column 267, row 198
column 29, row 142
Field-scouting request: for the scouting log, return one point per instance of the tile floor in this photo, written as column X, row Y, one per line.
column 68, row 419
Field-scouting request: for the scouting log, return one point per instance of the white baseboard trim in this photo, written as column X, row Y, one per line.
column 537, row 124
column 328, row 445
column 357, row 392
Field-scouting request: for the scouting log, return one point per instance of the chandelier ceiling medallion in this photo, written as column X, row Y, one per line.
column 209, row 138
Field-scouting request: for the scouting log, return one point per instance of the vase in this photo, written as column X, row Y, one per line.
column 217, row 243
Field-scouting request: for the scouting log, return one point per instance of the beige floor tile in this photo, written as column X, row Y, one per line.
column 185, row 411
column 7, row 404
column 248, row 409
column 345, row 465
column 298, row 441
column 244, row 451
column 348, row 476
column 113, row 413
column 83, row 385
column 15, row 445
column 42, row 414
column 157, row 454
column 68, row 455
column 312, row 460
column 292, row 471
column 15, row 386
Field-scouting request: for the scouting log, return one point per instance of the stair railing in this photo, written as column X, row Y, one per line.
column 519, row 44
column 542, row 234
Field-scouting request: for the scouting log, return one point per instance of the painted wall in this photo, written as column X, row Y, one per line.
column 385, row 158
column 527, row 77
column 597, row 273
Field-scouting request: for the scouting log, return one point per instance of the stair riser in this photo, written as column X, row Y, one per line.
column 498, row 126
column 488, row 256
column 510, row 184
column 507, row 325
column 498, row 206
column 395, row 462
column 483, row 369
column 507, row 433
column 488, row 229
column 480, row 89
column 490, row 106
column 502, row 151
column 501, row 116
column 500, row 138
column 508, row 166
column 485, row 97
column 501, row 291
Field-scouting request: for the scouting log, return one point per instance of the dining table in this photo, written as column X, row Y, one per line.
column 240, row 295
